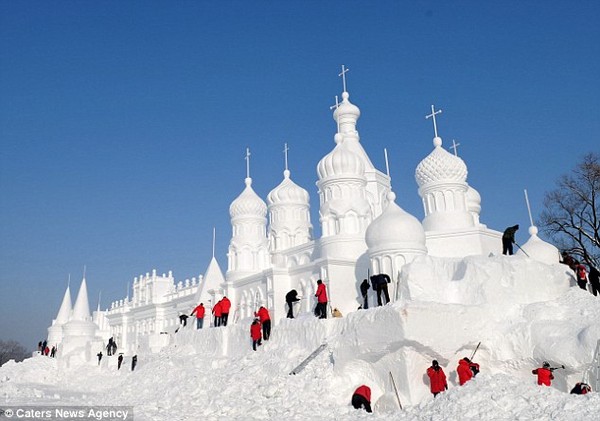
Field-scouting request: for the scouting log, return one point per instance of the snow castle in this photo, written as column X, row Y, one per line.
column 272, row 248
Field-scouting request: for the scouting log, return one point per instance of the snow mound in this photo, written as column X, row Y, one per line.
column 521, row 311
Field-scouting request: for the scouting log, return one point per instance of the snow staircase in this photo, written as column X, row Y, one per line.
column 592, row 374
column 308, row 359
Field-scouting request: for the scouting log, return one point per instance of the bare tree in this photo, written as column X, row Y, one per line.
column 12, row 350
column 571, row 215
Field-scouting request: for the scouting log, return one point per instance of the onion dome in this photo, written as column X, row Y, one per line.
column 538, row 249
column 473, row 200
column 395, row 229
column 287, row 192
column 248, row 203
column 346, row 110
column 440, row 165
column 340, row 162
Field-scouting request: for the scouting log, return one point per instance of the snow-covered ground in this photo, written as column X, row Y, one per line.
column 522, row 311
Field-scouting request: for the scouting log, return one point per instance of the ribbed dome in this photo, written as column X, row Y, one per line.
column 473, row 200
column 288, row 192
column 248, row 203
column 440, row 165
column 395, row 228
column 340, row 162
column 538, row 249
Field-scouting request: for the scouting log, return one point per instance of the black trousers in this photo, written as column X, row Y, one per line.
column 321, row 310
column 507, row 246
column 290, row 313
column 359, row 401
column 266, row 327
column 224, row 317
column 383, row 288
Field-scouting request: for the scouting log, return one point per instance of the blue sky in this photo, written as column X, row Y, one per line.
column 123, row 125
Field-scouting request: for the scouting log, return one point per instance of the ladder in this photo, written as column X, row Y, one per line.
column 592, row 374
column 308, row 359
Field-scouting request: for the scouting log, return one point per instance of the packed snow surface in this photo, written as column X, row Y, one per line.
column 523, row 312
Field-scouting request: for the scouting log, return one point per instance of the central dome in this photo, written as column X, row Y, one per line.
column 340, row 162
column 395, row 228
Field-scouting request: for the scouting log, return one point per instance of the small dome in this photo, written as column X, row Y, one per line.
column 440, row 165
column 288, row 192
column 473, row 200
column 538, row 249
column 248, row 203
column 395, row 228
column 340, row 162
column 346, row 109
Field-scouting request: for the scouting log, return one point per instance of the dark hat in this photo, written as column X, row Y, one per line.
column 319, row 281
column 545, row 364
column 435, row 363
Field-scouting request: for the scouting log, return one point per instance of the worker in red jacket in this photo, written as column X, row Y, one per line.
column 437, row 378
column 544, row 374
column 321, row 294
column 265, row 321
column 225, row 306
column 200, row 311
column 466, row 370
column 255, row 333
column 362, row 398
column 217, row 312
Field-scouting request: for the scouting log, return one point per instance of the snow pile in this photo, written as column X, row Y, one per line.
column 522, row 311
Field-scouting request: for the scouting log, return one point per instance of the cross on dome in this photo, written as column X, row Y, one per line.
column 336, row 106
column 343, row 75
column 247, row 158
column 455, row 147
column 432, row 115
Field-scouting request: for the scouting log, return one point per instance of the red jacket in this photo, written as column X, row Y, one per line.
column 364, row 391
column 225, row 305
column 255, row 331
column 199, row 310
column 544, row 376
column 437, row 380
column 581, row 273
column 321, row 294
column 465, row 373
column 217, row 309
column 263, row 314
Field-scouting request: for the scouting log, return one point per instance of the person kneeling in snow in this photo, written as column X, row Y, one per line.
column 581, row 389
column 255, row 333
column 544, row 374
column 362, row 398
column 466, row 370
column 437, row 378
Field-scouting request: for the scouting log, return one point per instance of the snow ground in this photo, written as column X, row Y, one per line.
column 523, row 312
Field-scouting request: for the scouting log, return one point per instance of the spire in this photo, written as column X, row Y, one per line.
column 81, row 309
column 286, row 171
column 65, row 308
column 528, row 207
column 213, row 243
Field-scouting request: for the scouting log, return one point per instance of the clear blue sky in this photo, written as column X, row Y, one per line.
column 123, row 125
